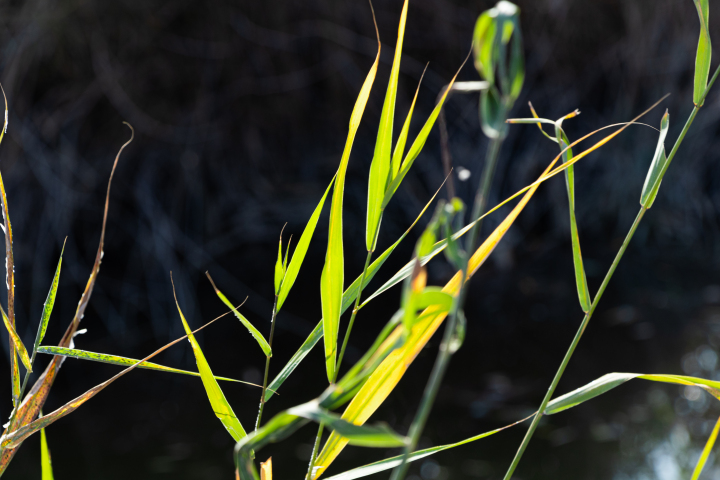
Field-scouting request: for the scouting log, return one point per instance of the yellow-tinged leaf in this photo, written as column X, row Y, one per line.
column 45, row 460
column 219, row 403
column 332, row 279
column 706, row 451
column 19, row 347
column 266, row 470
column 377, row 388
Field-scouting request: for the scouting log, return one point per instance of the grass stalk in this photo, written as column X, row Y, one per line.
column 354, row 312
column 573, row 345
column 267, row 365
column 443, row 358
column 316, row 447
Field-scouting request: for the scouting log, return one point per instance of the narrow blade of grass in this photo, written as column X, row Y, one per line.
column 253, row 331
column 706, row 452
column 402, row 139
column 17, row 343
column 279, row 270
column 45, row 460
column 333, row 275
column 49, row 304
column 380, row 166
column 613, row 380
column 390, row 463
column 220, row 405
column 301, row 250
column 347, row 300
column 124, row 361
column 704, row 53
column 657, row 166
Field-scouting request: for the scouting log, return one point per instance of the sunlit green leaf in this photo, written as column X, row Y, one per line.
column 49, row 304
column 706, row 452
column 658, row 166
column 220, row 405
column 298, row 256
column 380, row 166
column 19, row 347
column 704, row 53
column 279, row 271
column 45, row 460
column 253, row 331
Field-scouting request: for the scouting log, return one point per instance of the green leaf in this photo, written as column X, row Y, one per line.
column 402, row 139
column 253, row 331
column 417, row 145
column 45, row 460
column 706, row 452
column 517, row 62
column 219, row 404
column 49, row 304
column 492, row 113
column 389, row 463
column 347, row 299
column 580, row 277
column 658, row 166
column 378, row 436
column 301, row 250
column 483, row 39
column 122, row 361
column 380, row 166
column 333, row 275
column 19, row 347
column 704, row 53
column 612, row 380
column 279, row 271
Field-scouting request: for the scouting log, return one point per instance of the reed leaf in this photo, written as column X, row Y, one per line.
column 613, row 380
column 291, row 272
column 264, row 345
column 380, row 166
column 219, row 403
column 279, row 270
column 49, row 304
column 706, row 452
column 402, row 139
column 124, row 361
column 658, row 166
column 45, row 460
column 332, row 278
column 704, row 53
column 18, row 345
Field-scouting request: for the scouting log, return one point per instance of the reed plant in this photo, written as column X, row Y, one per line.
column 453, row 230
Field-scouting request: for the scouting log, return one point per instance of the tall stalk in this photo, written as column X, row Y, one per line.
column 444, row 353
column 586, row 319
column 267, row 364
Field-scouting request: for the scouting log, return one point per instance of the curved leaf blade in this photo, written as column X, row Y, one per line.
column 704, row 53
column 301, row 250
column 45, row 460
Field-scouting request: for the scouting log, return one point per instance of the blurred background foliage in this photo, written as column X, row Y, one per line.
column 241, row 110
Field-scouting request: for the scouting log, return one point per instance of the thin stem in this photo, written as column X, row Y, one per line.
column 354, row 312
column 267, row 365
column 573, row 345
column 314, row 455
column 443, row 358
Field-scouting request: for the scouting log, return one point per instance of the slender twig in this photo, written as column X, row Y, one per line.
column 586, row 320
column 267, row 365
column 443, row 358
column 354, row 312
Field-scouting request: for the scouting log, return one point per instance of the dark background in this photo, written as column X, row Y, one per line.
column 240, row 111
